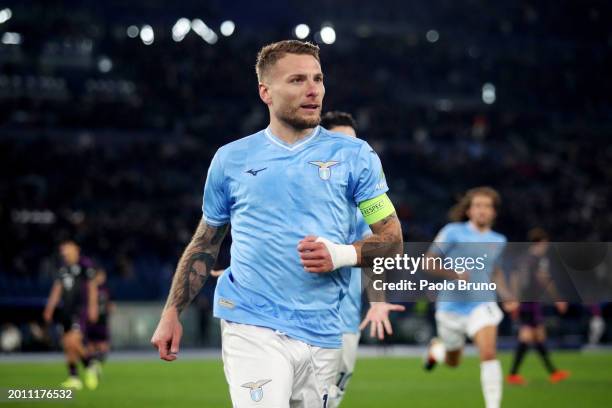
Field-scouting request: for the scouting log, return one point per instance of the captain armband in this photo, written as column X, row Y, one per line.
column 377, row 208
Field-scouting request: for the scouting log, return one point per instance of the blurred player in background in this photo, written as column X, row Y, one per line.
column 290, row 192
column 98, row 332
column 468, row 313
column 350, row 307
column 77, row 290
column 529, row 281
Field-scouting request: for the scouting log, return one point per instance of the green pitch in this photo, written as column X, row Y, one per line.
column 378, row 382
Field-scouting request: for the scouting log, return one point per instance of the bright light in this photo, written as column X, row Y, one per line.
column 488, row 93
column 328, row 35
column 432, row 36
column 11, row 39
column 105, row 64
column 211, row 37
column 227, row 28
column 132, row 31
column 180, row 29
column 147, row 35
column 301, row 31
column 5, row 15
column 203, row 31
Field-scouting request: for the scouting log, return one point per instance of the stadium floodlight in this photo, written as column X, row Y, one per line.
column 328, row 35
column 11, row 38
column 105, row 64
column 488, row 93
column 432, row 36
column 301, row 31
column 5, row 15
column 201, row 29
column 132, row 31
column 147, row 35
column 227, row 28
column 180, row 29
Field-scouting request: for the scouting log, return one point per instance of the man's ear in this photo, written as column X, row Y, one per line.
column 264, row 93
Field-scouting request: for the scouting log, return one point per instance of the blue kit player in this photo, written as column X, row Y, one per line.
column 472, row 313
column 290, row 193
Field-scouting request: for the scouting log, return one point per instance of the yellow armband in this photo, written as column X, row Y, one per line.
column 377, row 208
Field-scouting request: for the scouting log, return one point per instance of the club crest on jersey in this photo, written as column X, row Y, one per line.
column 256, row 389
column 324, row 168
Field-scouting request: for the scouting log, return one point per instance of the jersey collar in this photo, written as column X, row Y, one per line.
column 291, row 147
column 473, row 228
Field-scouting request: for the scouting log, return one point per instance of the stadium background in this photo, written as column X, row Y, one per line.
column 110, row 114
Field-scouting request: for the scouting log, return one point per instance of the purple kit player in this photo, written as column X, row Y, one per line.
column 530, row 280
column 75, row 288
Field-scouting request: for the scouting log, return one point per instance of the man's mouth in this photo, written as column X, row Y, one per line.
column 310, row 106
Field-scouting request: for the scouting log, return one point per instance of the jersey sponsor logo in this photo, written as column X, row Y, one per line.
column 68, row 282
column 254, row 172
column 324, row 168
column 256, row 389
column 382, row 184
column 226, row 303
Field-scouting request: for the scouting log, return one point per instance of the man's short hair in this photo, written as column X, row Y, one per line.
column 537, row 235
column 336, row 118
column 271, row 53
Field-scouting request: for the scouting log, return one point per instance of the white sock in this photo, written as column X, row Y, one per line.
column 438, row 351
column 491, row 381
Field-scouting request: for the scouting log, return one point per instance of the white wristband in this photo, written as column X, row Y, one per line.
column 341, row 255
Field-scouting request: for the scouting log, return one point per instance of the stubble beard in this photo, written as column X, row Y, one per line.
column 292, row 119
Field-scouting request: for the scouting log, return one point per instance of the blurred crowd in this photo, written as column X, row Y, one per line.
column 106, row 140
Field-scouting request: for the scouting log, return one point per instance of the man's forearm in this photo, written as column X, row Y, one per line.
column 54, row 297
column 386, row 240
column 195, row 265
column 503, row 289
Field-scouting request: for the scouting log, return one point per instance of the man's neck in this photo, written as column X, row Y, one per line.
column 286, row 133
column 480, row 228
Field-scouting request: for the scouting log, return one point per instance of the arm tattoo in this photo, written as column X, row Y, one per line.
column 195, row 265
column 385, row 242
column 387, row 234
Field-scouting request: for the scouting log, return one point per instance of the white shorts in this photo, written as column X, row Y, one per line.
column 265, row 368
column 346, row 366
column 453, row 327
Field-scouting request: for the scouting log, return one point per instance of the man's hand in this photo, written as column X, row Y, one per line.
column 215, row 273
column 378, row 319
column 464, row 276
column 561, row 307
column 511, row 307
column 314, row 255
column 167, row 336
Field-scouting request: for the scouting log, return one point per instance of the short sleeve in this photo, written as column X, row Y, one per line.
column 444, row 241
column 368, row 176
column 215, row 203
column 90, row 273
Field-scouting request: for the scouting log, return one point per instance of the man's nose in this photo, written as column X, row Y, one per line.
column 313, row 88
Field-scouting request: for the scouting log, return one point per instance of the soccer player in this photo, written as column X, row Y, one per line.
column 290, row 193
column 530, row 280
column 469, row 313
column 77, row 290
column 98, row 334
column 350, row 306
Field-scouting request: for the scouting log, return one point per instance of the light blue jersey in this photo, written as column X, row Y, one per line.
column 350, row 306
column 275, row 194
column 462, row 240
